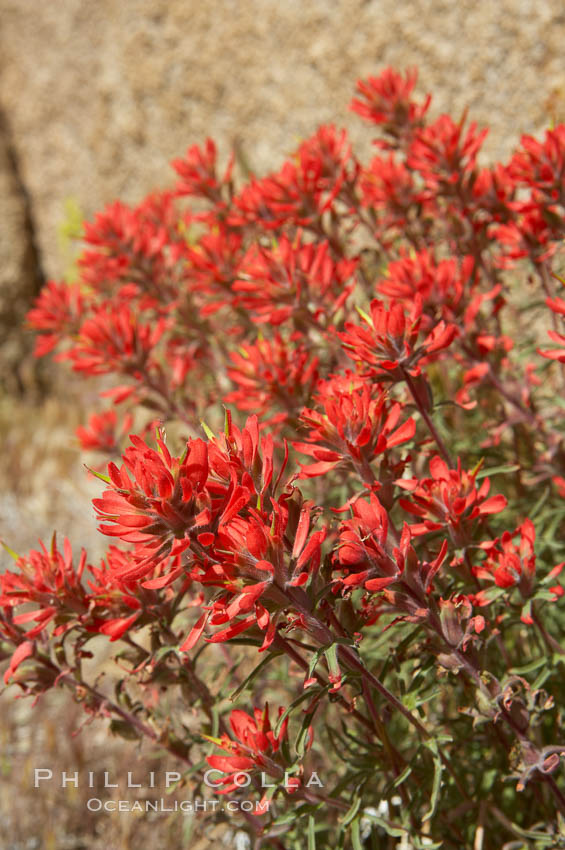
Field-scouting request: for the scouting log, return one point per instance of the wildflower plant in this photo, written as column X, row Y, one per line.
column 335, row 532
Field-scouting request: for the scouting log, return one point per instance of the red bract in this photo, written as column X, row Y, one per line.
column 161, row 502
column 442, row 285
column 514, row 565
column 541, row 165
column 22, row 652
column 50, row 580
column 273, row 376
column 370, row 559
column 387, row 100
column 555, row 353
column 350, row 427
column 557, row 306
column 246, row 456
column 214, row 264
column 115, row 340
column 364, row 549
column 102, row 433
column 388, row 186
column 117, row 602
column 294, row 280
column 254, row 747
column 509, row 564
column 254, row 560
column 57, row 315
column 449, row 500
column 531, row 235
column 304, row 188
column 387, row 343
column 139, row 246
column 493, row 194
column 79, row 595
column 167, row 505
column 198, row 173
column 442, row 153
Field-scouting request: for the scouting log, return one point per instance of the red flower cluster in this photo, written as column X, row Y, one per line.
column 365, row 318
column 254, row 747
column 388, row 341
column 450, row 500
column 350, row 427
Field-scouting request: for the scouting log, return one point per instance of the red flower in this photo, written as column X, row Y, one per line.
column 364, row 550
column 214, row 264
column 555, row 353
column 161, row 502
column 441, row 285
column 509, row 564
column 541, row 165
column 101, row 434
column 253, row 747
column 530, row 235
column 141, row 247
column 387, row 100
column 443, row 153
column 293, row 280
column 117, row 601
column 23, row 651
column 168, row 505
column 388, row 343
column 50, row 580
column 557, row 305
column 493, row 194
column 305, row 187
column 69, row 594
column 388, row 186
column 514, row 565
column 351, row 426
column 57, row 315
column 257, row 560
column 370, row 560
column 449, row 499
column 115, row 340
column 198, row 173
column 270, row 375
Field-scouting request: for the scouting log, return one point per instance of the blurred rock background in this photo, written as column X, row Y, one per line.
column 97, row 98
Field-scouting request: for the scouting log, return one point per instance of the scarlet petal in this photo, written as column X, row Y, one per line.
column 195, row 633
column 114, row 629
column 162, row 581
column 23, row 651
column 375, row 584
column 493, row 505
column 232, row 631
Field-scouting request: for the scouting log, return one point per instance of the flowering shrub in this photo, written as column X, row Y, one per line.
column 372, row 533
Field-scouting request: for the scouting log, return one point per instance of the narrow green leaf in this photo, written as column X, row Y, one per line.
column 303, row 737
column 255, row 672
column 331, row 657
column 438, row 770
column 311, row 833
column 307, row 694
column 528, row 668
column 497, row 470
column 99, row 475
column 356, row 842
column 10, row 551
column 208, row 431
column 363, row 314
column 404, row 775
column 352, row 811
